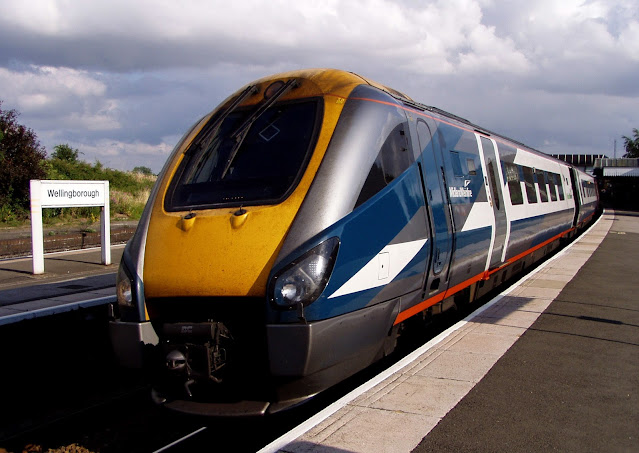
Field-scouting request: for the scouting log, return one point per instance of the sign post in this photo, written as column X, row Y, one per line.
column 66, row 194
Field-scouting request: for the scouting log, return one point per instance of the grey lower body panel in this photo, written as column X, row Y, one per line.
column 130, row 340
column 299, row 350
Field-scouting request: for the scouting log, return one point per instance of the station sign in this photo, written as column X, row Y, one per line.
column 67, row 194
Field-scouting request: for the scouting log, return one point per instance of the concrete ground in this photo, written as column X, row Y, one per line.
column 571, row 382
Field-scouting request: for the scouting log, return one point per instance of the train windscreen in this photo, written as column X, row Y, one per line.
column 241, row 158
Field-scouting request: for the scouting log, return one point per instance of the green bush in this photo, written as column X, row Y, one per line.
column 128, row 190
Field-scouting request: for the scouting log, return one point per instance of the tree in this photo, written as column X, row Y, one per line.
column 632, row 144
column 143, row 170
column 21, row 158
column 65, row 152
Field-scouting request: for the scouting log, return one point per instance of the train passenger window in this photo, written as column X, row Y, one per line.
column 529, row 180
column 560, row 187
column 514, row 185
column 588, row 189
column 493, row 183
column 393, row 158
column 551, row 186
column 541, row 182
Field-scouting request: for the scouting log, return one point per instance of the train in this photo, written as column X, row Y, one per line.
column 298, row 228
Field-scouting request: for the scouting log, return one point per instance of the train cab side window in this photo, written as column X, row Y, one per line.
column 395, row 154
column 541, row 182
column 462, row 156
column 393, row 158
column 529, row 181
column 472, row 169
column 456, row 163
column 514, row 185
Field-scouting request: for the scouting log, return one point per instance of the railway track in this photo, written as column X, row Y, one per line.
column 61, row 388
column 64, row 391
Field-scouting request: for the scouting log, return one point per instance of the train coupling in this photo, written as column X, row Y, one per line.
column 194, row 352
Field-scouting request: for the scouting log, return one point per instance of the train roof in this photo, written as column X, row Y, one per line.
column 343, row 82
column 356, row 79
column 463, row 121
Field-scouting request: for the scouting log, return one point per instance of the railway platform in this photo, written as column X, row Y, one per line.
column 72, row 280
column 550, row 364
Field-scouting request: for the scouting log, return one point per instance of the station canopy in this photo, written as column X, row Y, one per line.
column 621, row 171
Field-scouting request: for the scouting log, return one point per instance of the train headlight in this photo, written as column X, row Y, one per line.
column 123, row 288
column 305, row 278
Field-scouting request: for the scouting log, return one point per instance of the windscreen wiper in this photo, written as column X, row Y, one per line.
column 240, row 133
column 209, row 135
column 211, row 131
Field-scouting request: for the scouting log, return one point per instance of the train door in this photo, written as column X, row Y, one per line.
column 574, row 180
column 493, row 184
column 431, row 162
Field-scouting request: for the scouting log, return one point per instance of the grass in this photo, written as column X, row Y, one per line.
column 127, row 204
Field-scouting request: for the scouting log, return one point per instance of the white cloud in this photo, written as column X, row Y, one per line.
column 488, row 54
column 42, row 15
column 629, row 41
column 73, row 96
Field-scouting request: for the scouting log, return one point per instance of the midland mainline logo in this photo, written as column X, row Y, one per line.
column 461, row 192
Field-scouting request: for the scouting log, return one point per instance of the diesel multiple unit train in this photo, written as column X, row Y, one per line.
column 297, row 228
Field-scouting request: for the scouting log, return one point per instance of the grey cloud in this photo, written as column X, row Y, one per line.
column 157, row 84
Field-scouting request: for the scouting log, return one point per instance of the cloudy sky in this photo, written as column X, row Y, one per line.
column 122, row 80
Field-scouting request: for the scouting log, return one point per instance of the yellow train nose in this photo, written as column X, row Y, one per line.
column 216, row 252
